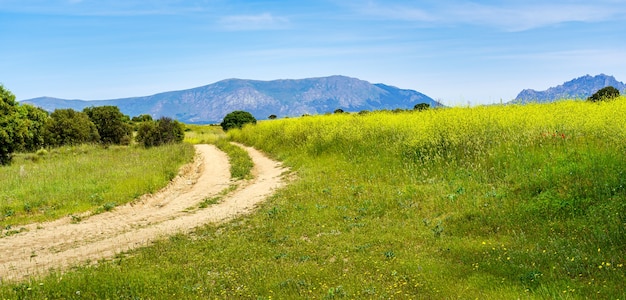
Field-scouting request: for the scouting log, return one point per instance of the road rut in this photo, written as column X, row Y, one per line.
column 62, row 243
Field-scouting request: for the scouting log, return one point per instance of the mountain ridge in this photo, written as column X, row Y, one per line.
column 282, row 97
column 577, row 88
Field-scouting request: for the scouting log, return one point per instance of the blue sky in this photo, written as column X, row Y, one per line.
column 456, row 51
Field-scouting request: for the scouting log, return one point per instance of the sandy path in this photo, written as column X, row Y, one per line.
column 60, row 243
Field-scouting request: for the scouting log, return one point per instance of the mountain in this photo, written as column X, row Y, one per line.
column 210, row 103
column 579, row 88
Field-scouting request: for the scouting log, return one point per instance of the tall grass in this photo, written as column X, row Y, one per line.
column 50, row 184
column 488, row 202
column 203, row 134
column 529, row 199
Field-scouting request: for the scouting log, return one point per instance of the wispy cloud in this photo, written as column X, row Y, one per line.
column 264, row 21
column 508, row 16
column 520, row 17
column 102, row 8
column 585, row 55
column 325, row 51
column 396, row 12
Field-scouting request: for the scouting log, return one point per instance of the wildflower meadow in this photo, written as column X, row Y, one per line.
column 489, row 202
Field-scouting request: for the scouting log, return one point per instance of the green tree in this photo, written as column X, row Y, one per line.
column 163, row 131
column 338, row 111
column 421, row 106
column 171, row 130
column 604, row 94
column 237, row 119
column 272, row 117
column 70, row 127
column 142, row 118
column 35, row 119
column 13, row 129
column 113, row 126
column 147, row 134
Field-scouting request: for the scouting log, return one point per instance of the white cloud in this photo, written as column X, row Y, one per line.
column 528, row 16
column 508, row 16
column 263, row 21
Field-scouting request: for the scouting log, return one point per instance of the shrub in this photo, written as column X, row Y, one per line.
column 604, row 94
column 142, row 118
column 36, row 119
column 147, row 134
column 113, row 126
column 171, row 130
column 272, row 117
column 160, row 132
column 70, row 127
column 338, row 111
column 421, row 106
column 237, row 119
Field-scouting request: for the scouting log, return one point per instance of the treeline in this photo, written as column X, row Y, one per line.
column 29, row 128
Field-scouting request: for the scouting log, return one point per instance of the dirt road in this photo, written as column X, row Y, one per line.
column 62, row 243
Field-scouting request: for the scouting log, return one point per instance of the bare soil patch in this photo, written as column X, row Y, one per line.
column 63, row 243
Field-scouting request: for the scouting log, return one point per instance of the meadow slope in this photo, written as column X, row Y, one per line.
column 497, row 202
column 175, row 209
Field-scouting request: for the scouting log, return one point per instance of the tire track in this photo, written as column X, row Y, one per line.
column 60, row 244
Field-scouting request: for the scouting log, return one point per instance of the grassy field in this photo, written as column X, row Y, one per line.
column 240, row 162
column 203, row 134
column 499, row 202
column 70, row 180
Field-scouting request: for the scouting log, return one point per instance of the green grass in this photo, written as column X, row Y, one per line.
column 240, row 162
column 487, row 202
column 203, row 134
column 70, row 180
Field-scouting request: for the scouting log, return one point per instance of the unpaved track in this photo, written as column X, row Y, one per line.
column 60, row 244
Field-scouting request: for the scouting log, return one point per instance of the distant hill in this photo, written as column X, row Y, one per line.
column 579, row 88
column 210, row 103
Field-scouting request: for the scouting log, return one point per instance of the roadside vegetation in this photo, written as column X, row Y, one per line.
column 25, row 128
column 487, row 202
column 68, row 162
column 203, row 134
column 71, row 180
column 240, row 162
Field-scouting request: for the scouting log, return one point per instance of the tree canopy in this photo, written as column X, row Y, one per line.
column 163, row 131
column 35, row 119
column 29, row 128
column 421, row 106
column 604, row 94
column 142, row 118
column 113, row 126
column 70, row 127
column 237, row 119
column 13, row 128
